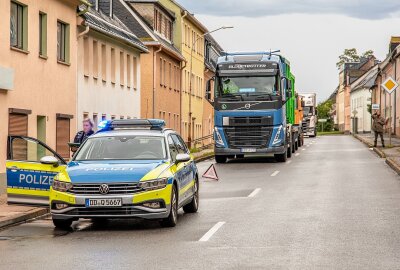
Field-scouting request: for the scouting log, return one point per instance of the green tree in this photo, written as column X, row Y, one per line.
column 351, row 55
column 324, row 112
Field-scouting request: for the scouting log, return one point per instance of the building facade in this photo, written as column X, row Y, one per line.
column 161, row 74
column 38, row 72
column 108, row 65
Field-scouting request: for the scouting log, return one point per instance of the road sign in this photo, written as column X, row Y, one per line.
column 390, row 85
column 211, row 173
column 322, row 120
column 375, row 106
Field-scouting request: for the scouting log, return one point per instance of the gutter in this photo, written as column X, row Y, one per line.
column 182, row 68
column 154, row 77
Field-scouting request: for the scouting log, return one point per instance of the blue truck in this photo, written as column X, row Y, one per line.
column 253, row 97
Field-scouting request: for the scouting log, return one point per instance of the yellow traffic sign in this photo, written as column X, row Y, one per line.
column 390, row 85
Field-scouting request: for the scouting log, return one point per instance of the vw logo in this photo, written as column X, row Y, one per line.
column 247, row 106
column 104, row 189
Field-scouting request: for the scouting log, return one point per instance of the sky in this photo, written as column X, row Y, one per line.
column 310, row 33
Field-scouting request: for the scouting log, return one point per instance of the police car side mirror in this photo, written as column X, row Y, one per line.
column 49, row 160
column 182, row 158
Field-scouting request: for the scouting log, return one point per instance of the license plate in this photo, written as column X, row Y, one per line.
column 248, row 150
column 109, row 202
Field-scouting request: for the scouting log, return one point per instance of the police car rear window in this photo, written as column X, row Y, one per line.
column 123, row 148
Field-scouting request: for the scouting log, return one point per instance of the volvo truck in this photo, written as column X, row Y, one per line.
column 254, row 106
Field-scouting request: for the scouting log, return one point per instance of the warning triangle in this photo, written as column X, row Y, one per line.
column 211, row 173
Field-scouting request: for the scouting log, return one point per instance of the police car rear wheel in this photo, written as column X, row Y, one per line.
column 193, row 206
column 172, row 219
column 64, row 224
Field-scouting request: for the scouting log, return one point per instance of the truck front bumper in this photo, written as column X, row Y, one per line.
column 261, row 151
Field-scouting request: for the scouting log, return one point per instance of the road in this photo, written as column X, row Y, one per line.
column 335, row 205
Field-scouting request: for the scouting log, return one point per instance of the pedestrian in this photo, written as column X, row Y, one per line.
column 378, row 127
column 82, row 135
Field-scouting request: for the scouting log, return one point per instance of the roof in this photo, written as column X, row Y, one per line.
column 155, row 2
column 367, row 80
column 99, row 21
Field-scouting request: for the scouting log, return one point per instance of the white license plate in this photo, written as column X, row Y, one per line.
column 248, row 150
column 109, row 202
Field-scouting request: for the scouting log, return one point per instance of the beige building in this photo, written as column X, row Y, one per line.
column 108, row 65
column 38, row 72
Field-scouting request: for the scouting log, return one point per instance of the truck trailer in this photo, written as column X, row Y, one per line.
column 254, row 105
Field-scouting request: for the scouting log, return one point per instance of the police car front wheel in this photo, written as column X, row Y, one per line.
column 172, row 219
column 64, row 224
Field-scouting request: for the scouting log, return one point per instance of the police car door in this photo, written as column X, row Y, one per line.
column 29, row 172
column 186, row 172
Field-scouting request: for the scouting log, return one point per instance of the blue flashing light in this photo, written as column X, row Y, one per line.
column 104, row 125
column 157, row 123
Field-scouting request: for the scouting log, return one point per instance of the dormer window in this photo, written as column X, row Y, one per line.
column 163, row 24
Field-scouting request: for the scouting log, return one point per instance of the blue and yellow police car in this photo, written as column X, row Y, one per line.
column 128, row 169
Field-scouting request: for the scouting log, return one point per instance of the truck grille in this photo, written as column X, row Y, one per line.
column 115, row 188
column 251, row 121
column 249, row 136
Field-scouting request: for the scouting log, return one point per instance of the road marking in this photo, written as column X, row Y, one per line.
column 297, row 154
column 254, row 193
column 211, row 232
column 304, row 148
column 288, row 162
column 275, row 173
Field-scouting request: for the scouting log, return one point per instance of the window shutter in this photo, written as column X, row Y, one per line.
column 18, row 124
column 62, row 137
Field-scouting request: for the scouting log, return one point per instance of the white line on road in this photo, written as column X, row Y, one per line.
column 308, row 145
column 304, row 148
column 288, row 162
column 297, row 154
column 275, row 173
column 211, row 232
column 254, row 193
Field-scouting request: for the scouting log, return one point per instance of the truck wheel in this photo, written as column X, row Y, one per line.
column 63, row 224
column 221, row 159
column 296, row 145
column 289, row 152
column 281, row 157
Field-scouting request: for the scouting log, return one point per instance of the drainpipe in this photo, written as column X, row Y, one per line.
column 84, row 32
column 395, row 94
column 154, row 77
column 182, row 68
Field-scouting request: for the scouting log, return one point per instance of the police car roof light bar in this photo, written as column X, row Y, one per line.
column 156, row 124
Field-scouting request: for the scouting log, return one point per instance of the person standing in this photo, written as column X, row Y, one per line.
column 378, row 127
column 82, row 135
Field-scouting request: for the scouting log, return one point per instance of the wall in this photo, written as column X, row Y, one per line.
column 42, row 85
column 359, row 101
column 105, row 92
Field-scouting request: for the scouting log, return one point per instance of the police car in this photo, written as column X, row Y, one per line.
column 128, row 169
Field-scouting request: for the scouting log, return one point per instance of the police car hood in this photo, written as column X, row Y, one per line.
column 110, row 171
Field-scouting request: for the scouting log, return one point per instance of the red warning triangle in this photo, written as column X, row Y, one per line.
column 211, row 173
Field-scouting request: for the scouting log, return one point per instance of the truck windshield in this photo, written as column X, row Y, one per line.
column 307, row 111
column 123, row 148
column 248, row 86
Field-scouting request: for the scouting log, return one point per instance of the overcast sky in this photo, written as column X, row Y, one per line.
column 310, row 33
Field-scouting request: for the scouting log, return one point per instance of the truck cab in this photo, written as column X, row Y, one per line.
column 250, row 95
column 310, row 114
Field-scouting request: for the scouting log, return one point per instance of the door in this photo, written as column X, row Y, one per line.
column 28, row 180
column 185, row 169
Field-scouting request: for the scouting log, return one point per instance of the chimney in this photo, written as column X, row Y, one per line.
column 394, row 42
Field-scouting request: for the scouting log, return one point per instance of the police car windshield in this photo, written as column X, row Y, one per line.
column 249, row 86
column 123, row 148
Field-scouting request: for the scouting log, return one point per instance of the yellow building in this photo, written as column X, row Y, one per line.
column 189, row 39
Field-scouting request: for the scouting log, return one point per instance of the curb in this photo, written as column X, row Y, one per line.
column 4, row 222
column 392, row 164
column 376, row 150
column 205, row 157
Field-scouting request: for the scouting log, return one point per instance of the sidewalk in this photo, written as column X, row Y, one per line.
column 12, row 214
column 390, row 153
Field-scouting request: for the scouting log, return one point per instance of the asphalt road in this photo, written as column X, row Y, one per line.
column 336, row 205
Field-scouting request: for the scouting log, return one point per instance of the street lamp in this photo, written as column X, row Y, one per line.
column 191, row 126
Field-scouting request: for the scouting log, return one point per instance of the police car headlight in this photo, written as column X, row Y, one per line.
column 154, row 184
column 61, row 186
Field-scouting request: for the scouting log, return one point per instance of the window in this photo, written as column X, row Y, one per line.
column 128, row 70
column 86, row 56
column 112, row 65
column 62, row 42
column 95, row 59
column 182, row 149
column 18, row 26
column 121, row 68
column 103, row 62
column 170, row 76
column 63, row 136
column 134, row 70
column 165, row 73
column 42, row 34
column 172, row 148
column 161, row 71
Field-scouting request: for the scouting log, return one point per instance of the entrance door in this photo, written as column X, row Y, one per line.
column 28, row 179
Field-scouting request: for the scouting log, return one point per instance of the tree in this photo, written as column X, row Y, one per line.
column 351, row 55
column 324, row 112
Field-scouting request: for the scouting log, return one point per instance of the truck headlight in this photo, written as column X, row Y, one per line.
column 61, row 186
column 218, row 137
column 154, row 184
column 278, row 139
